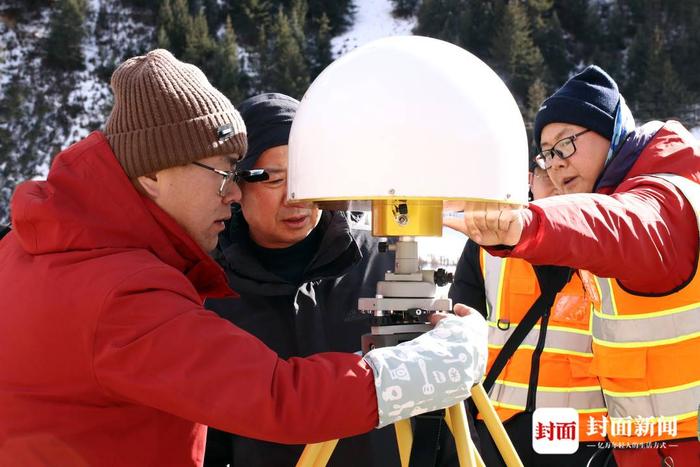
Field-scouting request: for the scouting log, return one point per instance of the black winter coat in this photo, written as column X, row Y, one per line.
column 317, row 315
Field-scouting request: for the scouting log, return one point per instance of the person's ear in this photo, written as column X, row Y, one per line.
column 148, row 185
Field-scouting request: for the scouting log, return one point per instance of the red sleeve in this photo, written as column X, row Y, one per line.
column 645, row 234
column 156, row 346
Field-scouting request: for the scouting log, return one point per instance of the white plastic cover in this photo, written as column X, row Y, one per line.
column 408, row 116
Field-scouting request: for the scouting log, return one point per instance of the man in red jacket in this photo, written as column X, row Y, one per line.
column 629, row 215
column 107, row 357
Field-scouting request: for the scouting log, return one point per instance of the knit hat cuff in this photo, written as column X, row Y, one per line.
column 562, row 109
column 148, row 150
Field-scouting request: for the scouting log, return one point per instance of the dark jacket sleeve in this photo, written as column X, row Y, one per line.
column 468, row 286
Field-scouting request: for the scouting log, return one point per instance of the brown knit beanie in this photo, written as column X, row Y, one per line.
column 166, row 113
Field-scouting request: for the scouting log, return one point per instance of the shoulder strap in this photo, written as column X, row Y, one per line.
column 551, row 279
column 426, row 438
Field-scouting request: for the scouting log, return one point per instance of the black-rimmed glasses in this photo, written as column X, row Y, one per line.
column 232, row 176
column 563, row 148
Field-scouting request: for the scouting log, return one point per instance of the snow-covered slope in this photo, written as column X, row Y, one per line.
column 373, row 20
column 53, row 108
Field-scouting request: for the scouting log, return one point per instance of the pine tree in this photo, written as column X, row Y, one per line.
column 448, row 20
column 162, row 39
column 63, row 44
column 536, row 94
column 684, row 41
column 323, row 53
column 284, row 68
column 339, row 12
column 404, row 8
column 662, row 94
column 176, row 22
column 297, row 21
column 610, row 44
column 255, row 19
column 228, row 77
column 550, row 41
column 515, row 55
column 199, row 46
column 580, row 20
column 468, row 23
column 548, row 36
column 212, row 10
column 165, row 24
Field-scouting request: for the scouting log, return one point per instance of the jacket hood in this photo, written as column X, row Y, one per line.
column 672, row 145
column 621, row 162
column 338, row 251
column 88, row 203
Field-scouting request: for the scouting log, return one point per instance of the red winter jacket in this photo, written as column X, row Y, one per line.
column 107, row 357
column 640, row 229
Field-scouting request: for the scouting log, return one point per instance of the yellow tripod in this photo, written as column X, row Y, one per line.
column 317, row 455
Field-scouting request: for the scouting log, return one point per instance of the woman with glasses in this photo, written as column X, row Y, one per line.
column 628, row 215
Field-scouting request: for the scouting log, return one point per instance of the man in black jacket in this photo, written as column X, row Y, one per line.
column 299, row 272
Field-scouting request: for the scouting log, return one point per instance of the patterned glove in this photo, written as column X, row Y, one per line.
column 432, row 371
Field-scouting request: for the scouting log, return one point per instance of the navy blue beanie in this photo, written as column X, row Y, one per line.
column 268, row 119
column 589, row 99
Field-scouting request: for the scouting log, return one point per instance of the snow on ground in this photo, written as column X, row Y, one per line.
column 373, row 20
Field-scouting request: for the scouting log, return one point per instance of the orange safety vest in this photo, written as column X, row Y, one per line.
column 564, row 380
column 647, row 354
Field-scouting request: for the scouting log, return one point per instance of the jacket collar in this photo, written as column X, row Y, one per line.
column 88, row 203
column 337, row 253
column 622, row 162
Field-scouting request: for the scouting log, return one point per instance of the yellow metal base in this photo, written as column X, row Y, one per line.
column 411, row 218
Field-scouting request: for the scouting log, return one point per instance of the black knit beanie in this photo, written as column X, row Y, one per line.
column 589, row 99
column 268, row 118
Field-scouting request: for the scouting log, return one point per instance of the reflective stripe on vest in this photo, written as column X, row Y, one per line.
column 628, row 323
column 493, row 283
column 560, row 340
column 667, row 402
column 650, row 329
column 583, row 399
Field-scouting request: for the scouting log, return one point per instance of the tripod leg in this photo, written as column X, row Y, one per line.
column 404, row 438
column 472, row 447
column 317, row 454
column 495, row 427
column 477, row 456
column 460, row 431
column 326, row 453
